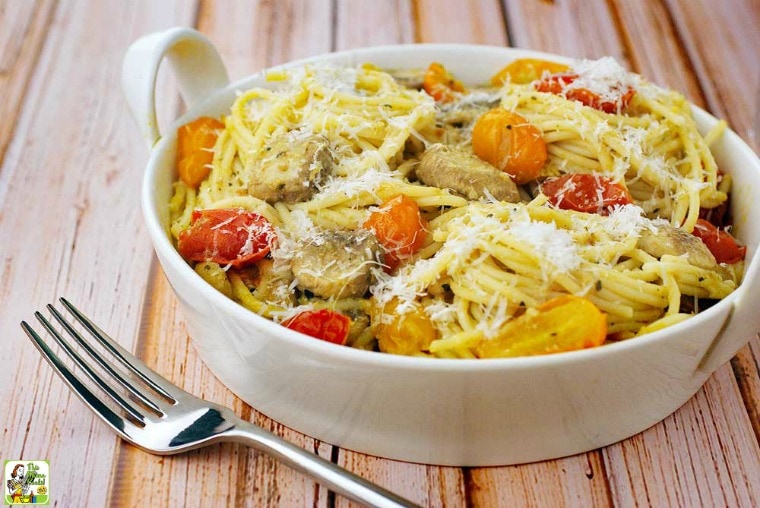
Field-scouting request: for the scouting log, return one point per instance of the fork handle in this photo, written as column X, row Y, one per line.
column 323, row 471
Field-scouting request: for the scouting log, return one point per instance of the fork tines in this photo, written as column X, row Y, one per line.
column 135, row 413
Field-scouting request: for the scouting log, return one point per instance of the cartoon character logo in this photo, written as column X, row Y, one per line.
column 18, row 486
column 23, row 479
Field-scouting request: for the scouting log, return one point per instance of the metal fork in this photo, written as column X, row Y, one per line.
column 163, row 419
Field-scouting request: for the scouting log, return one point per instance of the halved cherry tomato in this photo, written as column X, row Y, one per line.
column 511, row 143
column 525, row 70
column 399, row 227
column 720, row 242
column 558, row 84
column 440, row 84
column 323, row 324
column 228, row 237
column 564, row 323
column 585, row 193
column 195, row 141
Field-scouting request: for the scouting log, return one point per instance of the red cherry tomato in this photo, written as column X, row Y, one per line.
column 228, row 237
column 720, row 242
column 585, row 193
column 323, row 324
column 558, row 85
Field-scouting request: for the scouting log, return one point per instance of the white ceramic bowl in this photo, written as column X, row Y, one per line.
column 447, row 412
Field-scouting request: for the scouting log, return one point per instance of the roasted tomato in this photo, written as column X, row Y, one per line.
column 525, row 70
column 559, row 84
column 323, row 324
column 400, row 229
column 510, row 143
column 585, row 193
column 440, row 84
column 195, row 143
column 228, row 237
column 721, row 244
column 564, row 323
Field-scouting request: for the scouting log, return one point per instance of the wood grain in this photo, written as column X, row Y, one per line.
column 360, row 23
column 71, row 161
column 475, row 22
column 729, row 71
column 23, row 28
column 575, row 28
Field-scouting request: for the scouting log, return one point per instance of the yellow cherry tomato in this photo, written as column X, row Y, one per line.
column 195, row 143
column 405, row 333
column 526, row 70
column 511, row 143
column 564, row 323
column 440, row 83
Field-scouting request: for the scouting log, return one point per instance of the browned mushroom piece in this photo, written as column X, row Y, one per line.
column 455, row 120
column 409, row 78
column 466, row 174
column 336, row 264
column 291, row 168
column 670, row 240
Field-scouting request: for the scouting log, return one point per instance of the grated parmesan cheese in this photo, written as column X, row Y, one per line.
column 605, row 77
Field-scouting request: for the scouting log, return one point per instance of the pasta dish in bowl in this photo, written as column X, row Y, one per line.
column 435, row 209
column 414, row 216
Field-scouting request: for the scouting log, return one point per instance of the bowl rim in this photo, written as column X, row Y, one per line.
column 353, row 356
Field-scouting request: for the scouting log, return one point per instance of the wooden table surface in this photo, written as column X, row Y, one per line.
column 71, row 161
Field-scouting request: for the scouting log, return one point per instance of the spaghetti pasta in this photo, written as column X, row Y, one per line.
column 353, row 139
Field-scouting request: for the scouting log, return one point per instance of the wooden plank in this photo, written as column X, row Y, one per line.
column 251, row 36
column 637, row 21
column 705, row 454
column 746, row 366
column 729, row 72
column 71, row 180
column 572, row 481
column 23, row 28
column 575, row 28
column 362, row 23
column 475, row 22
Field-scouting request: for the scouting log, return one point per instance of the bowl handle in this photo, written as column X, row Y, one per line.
column 740, row 325
column 194, row 60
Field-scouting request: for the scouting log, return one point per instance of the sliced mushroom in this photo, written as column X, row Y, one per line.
column 456, row 169
column 336, row 264
column 668, row 239
column 409, row 78
column 455, row 120
column 291, row 169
